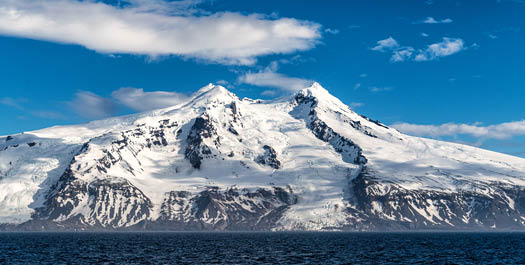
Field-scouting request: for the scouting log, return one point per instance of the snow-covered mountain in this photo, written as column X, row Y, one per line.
column 217, row 162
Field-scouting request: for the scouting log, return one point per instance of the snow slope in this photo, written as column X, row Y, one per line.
column 304, row 162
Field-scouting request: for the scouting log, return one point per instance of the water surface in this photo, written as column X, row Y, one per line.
column 262, row 248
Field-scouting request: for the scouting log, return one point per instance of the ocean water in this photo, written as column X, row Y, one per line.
column 262, row 248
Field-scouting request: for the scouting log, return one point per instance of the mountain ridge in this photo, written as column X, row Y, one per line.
column 217, row 162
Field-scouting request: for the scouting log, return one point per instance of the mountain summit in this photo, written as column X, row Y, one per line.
column 217, row 162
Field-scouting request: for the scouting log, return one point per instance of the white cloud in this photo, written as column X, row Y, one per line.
column 90, row 105
column 431, row 20
column 222, row 82
column 331, row 31
column 402, row 54
column 447, row 47
column 497, row 131
column 363, row 75
column 137, row 99
column 93, row 106
column 357, row 86
column 423, row 34
column 434, row 51
column 269, row 78
column 399, row 53
column 386, row 44
column 157, row 28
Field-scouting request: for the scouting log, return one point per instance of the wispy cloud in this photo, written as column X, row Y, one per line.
column 446, row 47
column 386, row 44
column 46, row 114
column 498, row 131
column 434, row 51
column 92, row 106
column 515, row 1
column 137, row 99
column 157, row 28
column 376, row 89
column 331, row 31
column 13, row 102
column 356, row 104
column 21, row 104
column 402, row 54
column 269, row 77
column 431, row 20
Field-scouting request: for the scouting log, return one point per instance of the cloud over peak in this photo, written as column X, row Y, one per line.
column 154, row 28
column 137, row 99
column 269, row 77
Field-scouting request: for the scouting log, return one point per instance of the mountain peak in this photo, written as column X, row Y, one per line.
column 321, row 94
column 211, row 88
column 212, row 92
column 315, row 90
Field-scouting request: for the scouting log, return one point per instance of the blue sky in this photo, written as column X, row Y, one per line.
column 451, row 70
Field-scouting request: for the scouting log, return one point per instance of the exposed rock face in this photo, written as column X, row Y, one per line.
column 100, row 203
column 232, row 209
column 197, row 149
column 269, row 158
column 220, row 163
column 392, row 207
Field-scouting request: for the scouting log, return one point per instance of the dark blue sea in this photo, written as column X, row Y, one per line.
column 262, row 248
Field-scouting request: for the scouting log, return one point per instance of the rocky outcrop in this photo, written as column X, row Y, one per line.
column 387, row 206
column 101, row 203
column 269, row 158
column 196, row 149
column 213, row 209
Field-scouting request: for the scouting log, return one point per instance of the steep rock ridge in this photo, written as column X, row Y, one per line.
column 216, row 162
column 306, row 103
column 197, row 149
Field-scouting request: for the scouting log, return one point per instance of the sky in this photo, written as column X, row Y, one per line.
column 448, row 70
